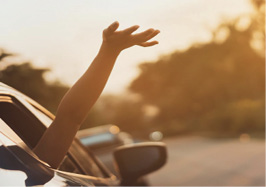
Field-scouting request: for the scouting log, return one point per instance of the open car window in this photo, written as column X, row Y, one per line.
column 77, row 154
column 29, row 123
column 27, row 126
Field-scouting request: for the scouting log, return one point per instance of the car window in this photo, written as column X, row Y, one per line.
column 29, row 128
column 77, row 157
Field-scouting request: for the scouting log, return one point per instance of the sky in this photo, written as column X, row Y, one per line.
column 65, row 35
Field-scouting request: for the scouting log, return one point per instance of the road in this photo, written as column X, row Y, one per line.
column 196, row 161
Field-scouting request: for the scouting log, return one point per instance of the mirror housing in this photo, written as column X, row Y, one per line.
column 136, row 160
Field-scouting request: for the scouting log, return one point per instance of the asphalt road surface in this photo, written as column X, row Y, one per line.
column 196, row 161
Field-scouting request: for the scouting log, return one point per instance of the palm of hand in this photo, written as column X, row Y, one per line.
column 124, row 39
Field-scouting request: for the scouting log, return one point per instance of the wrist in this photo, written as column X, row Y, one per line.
column 110, row 49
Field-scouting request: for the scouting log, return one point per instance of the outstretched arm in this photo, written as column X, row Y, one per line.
column 77, row 102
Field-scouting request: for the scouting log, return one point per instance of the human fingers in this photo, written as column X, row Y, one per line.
column 148, row 44
column 143, row 34
column 112, row 28
column 131, row 29
column 152, row 35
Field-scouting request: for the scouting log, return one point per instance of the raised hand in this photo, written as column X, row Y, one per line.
column 75, row 105
column 123, row 39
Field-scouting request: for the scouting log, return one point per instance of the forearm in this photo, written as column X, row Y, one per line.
column 74, row 107
column 81, row 97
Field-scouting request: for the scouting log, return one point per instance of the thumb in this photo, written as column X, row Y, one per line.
column 112, row 28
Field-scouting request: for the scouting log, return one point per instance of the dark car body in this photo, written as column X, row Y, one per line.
column 22, row 123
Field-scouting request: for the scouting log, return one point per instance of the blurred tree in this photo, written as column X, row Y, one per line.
column 122, row 110
column 4, row 54
column 195, row 89
column 30, row 81
column 216, row 86
column 258, row 26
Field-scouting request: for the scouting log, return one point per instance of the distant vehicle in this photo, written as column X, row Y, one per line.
column 103, row 140
column 22, row 123
column 104, row 136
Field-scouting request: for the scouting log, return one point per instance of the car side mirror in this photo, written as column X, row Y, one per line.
column 136, row 160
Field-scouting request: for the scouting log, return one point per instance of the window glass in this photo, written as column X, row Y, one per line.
column 10, row 138
column 6, row 141
column 4, row 128
column 15, row 162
